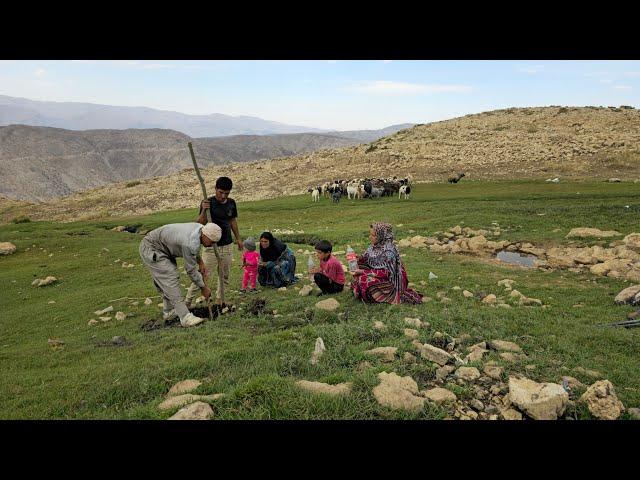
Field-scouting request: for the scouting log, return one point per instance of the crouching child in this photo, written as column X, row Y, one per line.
column 330, row 275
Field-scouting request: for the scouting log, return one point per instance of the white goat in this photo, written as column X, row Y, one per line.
column 352, row 191
column 315, row 195
column 404, row 190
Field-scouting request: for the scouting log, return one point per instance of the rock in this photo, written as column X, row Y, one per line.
column 572, row 383
column 445, row 300
column 92, row 322
column 591, row 232
column 47, row 281
column 148, row 301
column 511, row 414
column 475, row 354
column 388, row 354
column 477, row 405
column 184, row 386
column 503, row 305
column 411, row 333
column 398, row 393
column 409, row 358
column 491, row 298
column 456, row 288
column 432, row 276
column 627, row 295
column 414, row 322
column 439, row 395
column 464, row 338
column 504, row 346
column 493, row 371
column 119, row 228
column 632, row 241
column 325, row 388
column 530, row 301
column 467, row 294
column 468, row 374
column 516, row 294
column 589, row 373
column 330, row 304
column 7, row 248
column 180, row 400
column 105, row 319
column 282, row 289
column 513, row 357
column 363, row 366
column 195, row 411
column 634, row 413
column 55, row 342
column 507, row 283
column 318, row 351
column 443, row 372
column 102, row 312
column 435, row 354
column 614, row 180
column 541, row 401
column 121, row 315
column 602, row 401
column 378, row 325
column 305, row 291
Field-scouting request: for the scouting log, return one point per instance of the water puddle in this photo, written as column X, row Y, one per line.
column 516, row 258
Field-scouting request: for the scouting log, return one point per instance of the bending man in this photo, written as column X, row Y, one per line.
column 159, row 250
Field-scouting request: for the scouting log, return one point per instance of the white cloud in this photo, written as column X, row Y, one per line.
column 40, row 72
column 386, row 87
column 632, row 74
column 606, row 80
column 623, row 87
column 529, row 69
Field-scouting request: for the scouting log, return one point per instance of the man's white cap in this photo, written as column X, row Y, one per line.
column 212, row 231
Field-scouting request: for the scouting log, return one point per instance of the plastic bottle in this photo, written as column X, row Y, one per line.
column 352, row 258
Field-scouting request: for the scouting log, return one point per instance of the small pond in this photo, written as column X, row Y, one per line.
column 516, row 258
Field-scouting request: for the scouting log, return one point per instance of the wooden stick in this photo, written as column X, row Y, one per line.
column 208, row 214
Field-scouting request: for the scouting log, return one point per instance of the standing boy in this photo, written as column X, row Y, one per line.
column 330, row 275
column 223, row 213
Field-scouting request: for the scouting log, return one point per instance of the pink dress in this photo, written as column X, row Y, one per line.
column 250, row 261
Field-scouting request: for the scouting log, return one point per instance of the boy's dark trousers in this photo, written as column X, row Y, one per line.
column 327, row 285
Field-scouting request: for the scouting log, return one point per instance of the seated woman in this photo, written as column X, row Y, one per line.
column 277, row 266
column 381, row 277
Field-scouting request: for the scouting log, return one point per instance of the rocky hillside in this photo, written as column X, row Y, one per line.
column 540, row 142
column 40, row 163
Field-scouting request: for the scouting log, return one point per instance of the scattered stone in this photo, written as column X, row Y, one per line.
column 443, row 372
column 530, row 367
column 435, row 354
column 432, row 276
column 589, row 373
column 439, row 395
column 490, row 299
column 378, row 325
column 388, row 354
column 282, row 289
column 330, row 304
column 44, row 282
column 511, row 414
column 7, row 248
column 504, row 346
column 325, row 388
column 591, row 232
column 121, row 315
column 475, row 354
column 305, row 291
column 572, row 383
column 445, row 300
column 627, row 295
column 506, row 283
column 411, row 333
column 51, row 302
column 456, row 288
column 602, row 401
column 362, row 366
column 184, row 386
column 513, row 357
column 92, row 322
column 414, row 322
column 55, row 342
column 467, row 294
column 318, row 351
column 195, row 411
column 541, row 401
column 632, row 240
column 105, row 319
column 180, row 400
column 614, row 180
column 409, row 358
column 102, row 312
column 477, row 405
column 634, row 413
column 398, row 393
column 468, row 374
column 148, row 301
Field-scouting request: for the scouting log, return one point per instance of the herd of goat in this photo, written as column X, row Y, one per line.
column 368, row 188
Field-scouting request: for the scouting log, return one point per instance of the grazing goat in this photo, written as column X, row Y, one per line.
column 336, row 195
column 404, row 190
column 456, row 178
column 315, row 194
column 352, row 191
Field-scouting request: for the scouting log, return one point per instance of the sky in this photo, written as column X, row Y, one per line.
column 327, row 94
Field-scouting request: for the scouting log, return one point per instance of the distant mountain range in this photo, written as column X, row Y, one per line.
column 88, row 116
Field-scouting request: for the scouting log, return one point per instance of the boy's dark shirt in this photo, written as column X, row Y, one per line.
column 221, row 215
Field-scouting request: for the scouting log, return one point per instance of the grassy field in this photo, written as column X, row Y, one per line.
column 255, row 360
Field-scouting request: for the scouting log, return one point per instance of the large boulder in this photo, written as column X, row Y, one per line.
column 540, row 401
column 439, row 395
column 398, row 393
column 468, row 374
column 602, row 401
column 591, row 232
column 632, row 241
column 7, row 248
column 627, row 295
column 616, row 265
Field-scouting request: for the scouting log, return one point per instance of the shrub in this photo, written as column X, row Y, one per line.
column 132, row 184
column 371, row 148
column 22, row 219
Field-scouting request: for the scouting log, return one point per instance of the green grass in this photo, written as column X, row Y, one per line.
column 256, row 360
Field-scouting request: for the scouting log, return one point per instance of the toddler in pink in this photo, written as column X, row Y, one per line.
column 250, row 260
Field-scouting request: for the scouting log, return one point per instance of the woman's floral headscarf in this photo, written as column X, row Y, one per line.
column 384, row 255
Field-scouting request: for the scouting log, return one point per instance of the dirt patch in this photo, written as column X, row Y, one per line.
column 114, row 342
column 155, row 324
column 257, row 306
